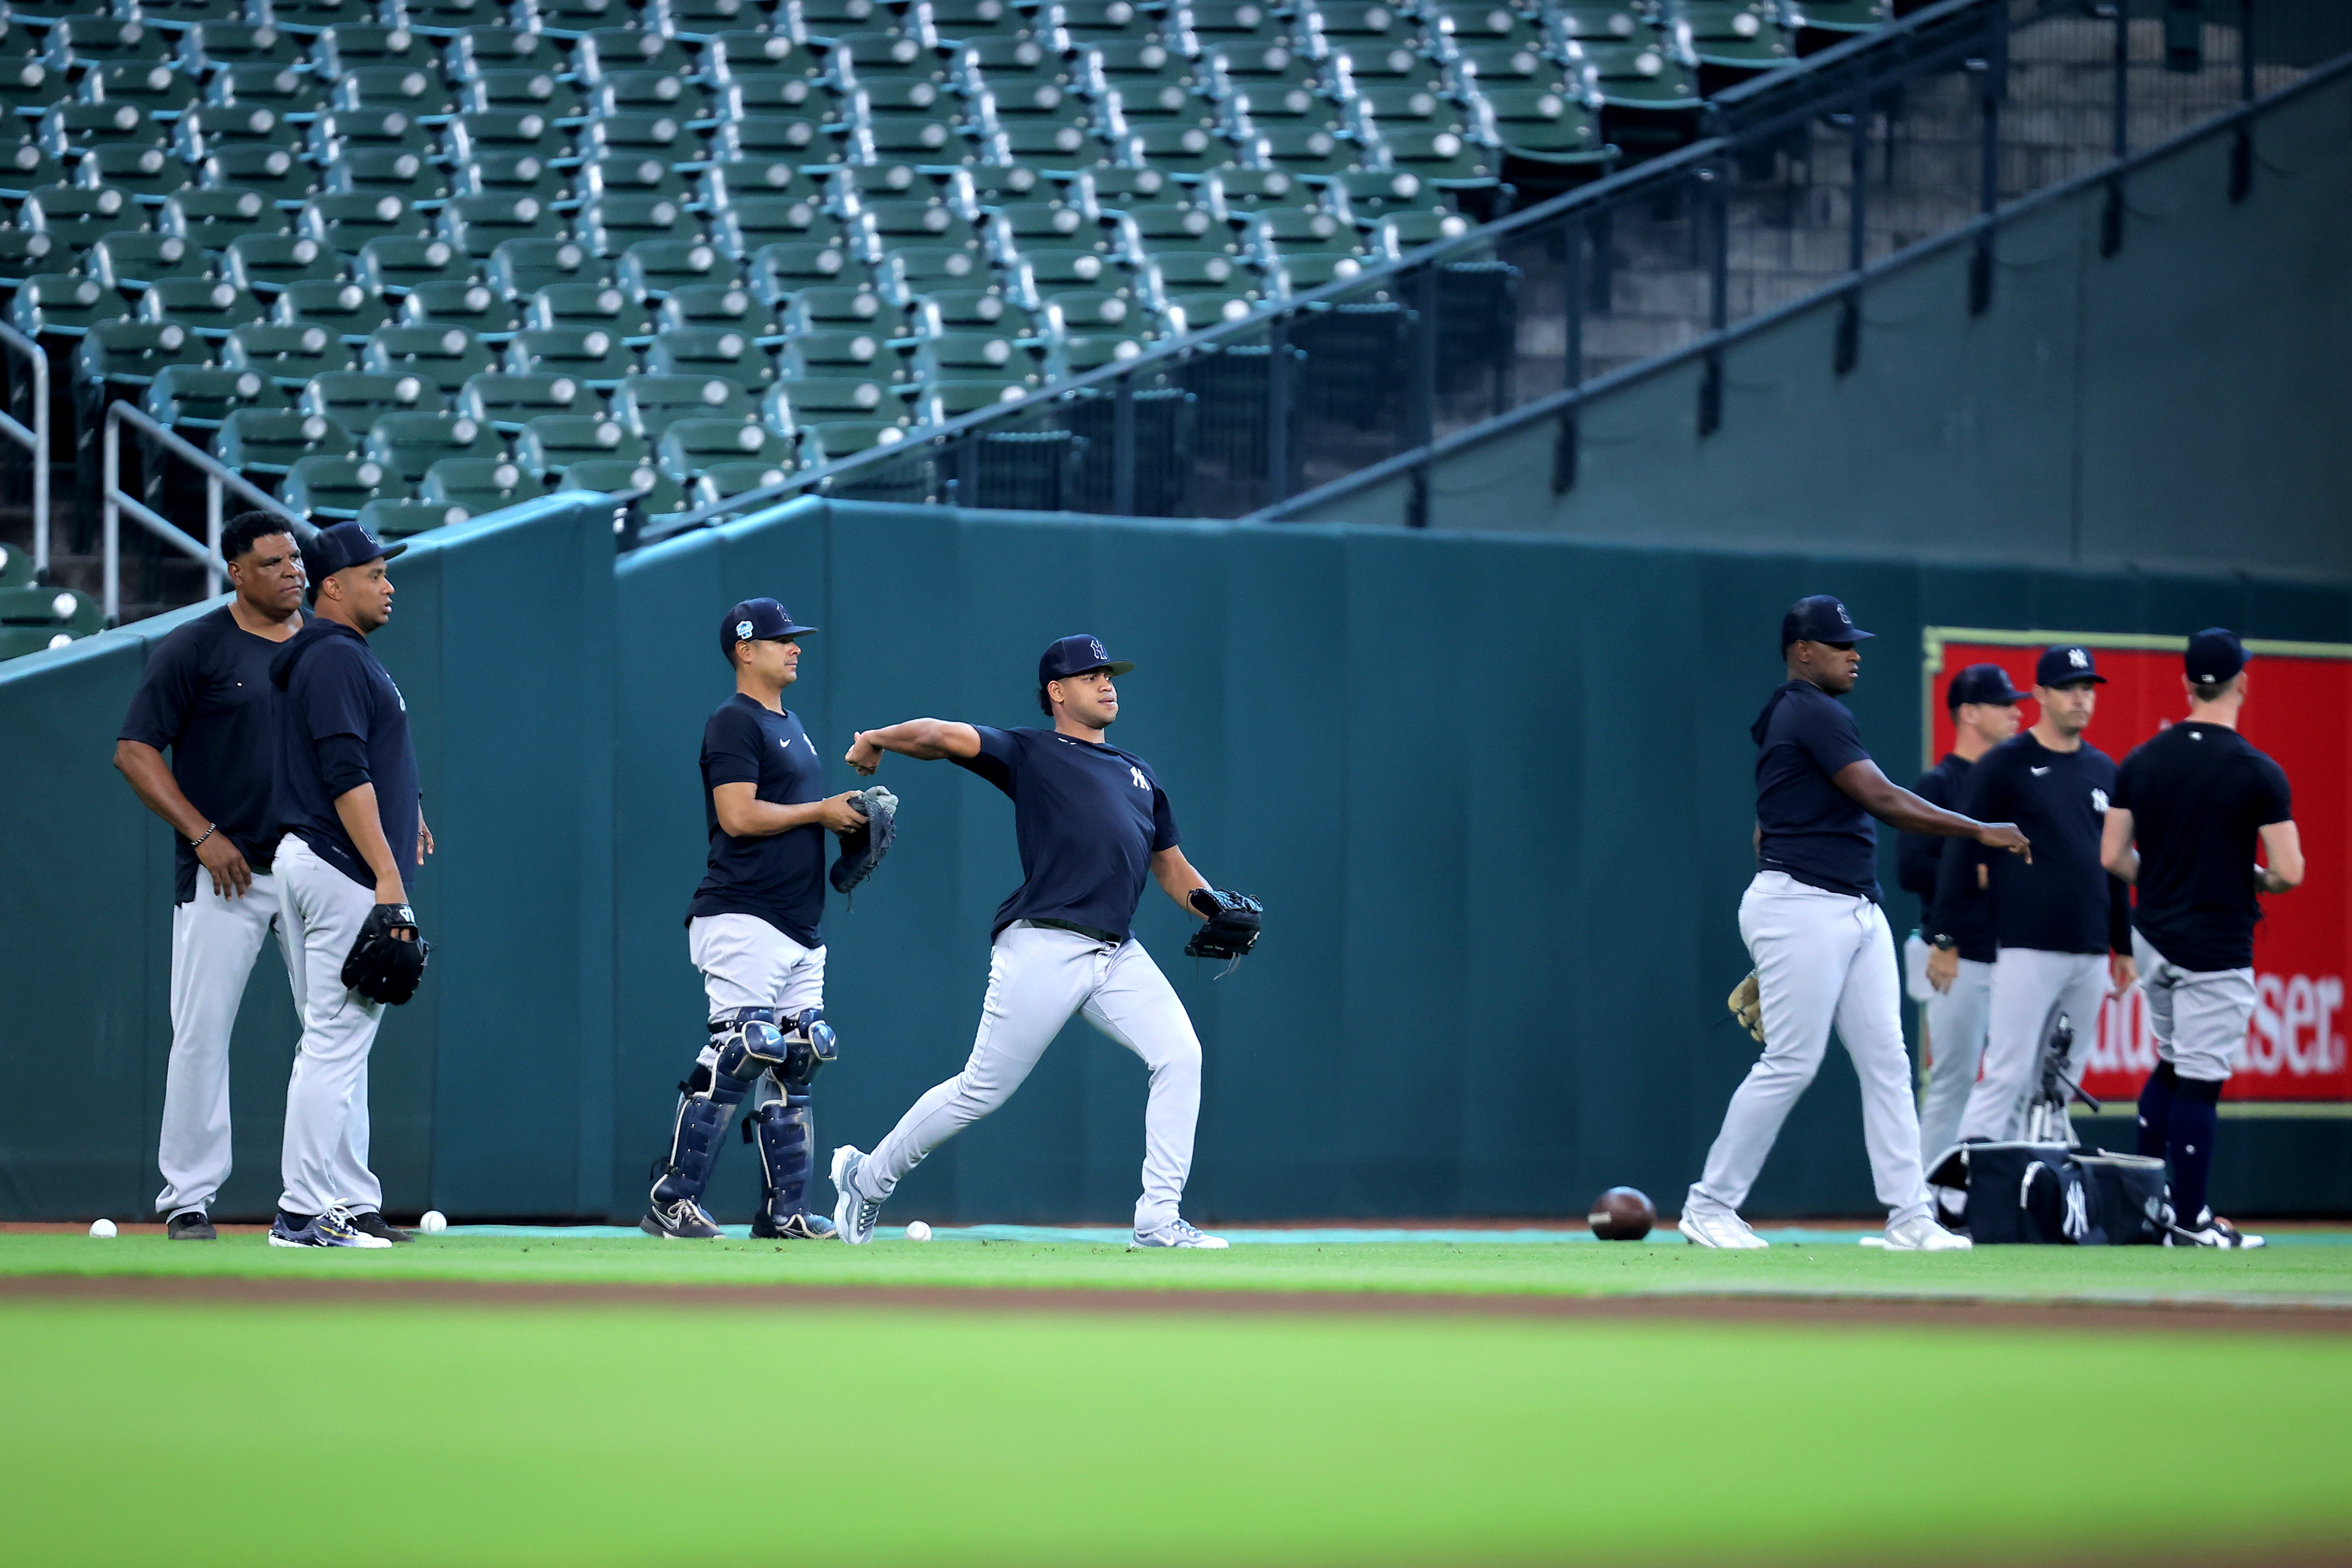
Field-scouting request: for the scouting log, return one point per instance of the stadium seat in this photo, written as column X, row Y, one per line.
column 446, row 357
column 357, row 398
column 650, row 268
column 646, row 405
column 690, row 446
column 590, row 305
column 272, row 172
column 392, row 265
column 55, row 306
column 290, row 356
column 711, row 351
column 132, row 261
column 268, row 265
column 473, row 306
column 194, row 399
column 339, row 488
column 716, row 305
column 131, row 353
column 390, row 519
column 344, row 308
column 657, row 493
column 519, row 268
column 589, row 354
column 211, row 309
column 477, row 485
column 552, row 442
column 724, row 480
column 409, row 444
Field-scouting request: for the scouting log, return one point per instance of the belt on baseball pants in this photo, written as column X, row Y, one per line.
column 1108, row 938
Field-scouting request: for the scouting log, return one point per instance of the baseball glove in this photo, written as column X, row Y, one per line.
column 1232, row 924
column 863, row 849
column 1746, row 1004
column 383, row 966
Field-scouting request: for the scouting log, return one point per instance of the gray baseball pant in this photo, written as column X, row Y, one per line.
column 1821, row 958
column 2031, row 987
column 2198, row 1015
column 1956, row 1044
column 325, row 1159
column 1037, row 977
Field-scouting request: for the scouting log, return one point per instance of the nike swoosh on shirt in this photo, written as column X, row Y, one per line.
column 2037, row 772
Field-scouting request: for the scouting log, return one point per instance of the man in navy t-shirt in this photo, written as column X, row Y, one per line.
column 1822, row 951
column 2189, row 808
column 354, row 817
column 2062, row 925
column 754, row 928
column 205, row 697
column 1094, row 827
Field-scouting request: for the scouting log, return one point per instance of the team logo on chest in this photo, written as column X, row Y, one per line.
column 1136, row 774
column 2099, row 801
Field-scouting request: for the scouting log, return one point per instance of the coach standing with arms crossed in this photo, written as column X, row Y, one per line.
column 2061, row 924
column 2189, row 808
column 1958, row 938
column 1823, row 954
column 206, row 696
column 349, row 801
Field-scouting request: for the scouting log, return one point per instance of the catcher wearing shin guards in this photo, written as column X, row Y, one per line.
column 752, row 930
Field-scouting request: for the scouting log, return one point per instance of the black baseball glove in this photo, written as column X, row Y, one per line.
column 1232, row 924
column 862, row 849
column 385, row 967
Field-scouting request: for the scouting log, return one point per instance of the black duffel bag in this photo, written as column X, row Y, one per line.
column 2048, row 1195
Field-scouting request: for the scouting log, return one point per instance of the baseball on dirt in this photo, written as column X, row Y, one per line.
column 102, row 1228
column 1622, row 1213
column 916, row 1230
column 434, row 1222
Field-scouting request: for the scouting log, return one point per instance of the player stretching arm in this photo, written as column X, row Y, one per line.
column 1822, row 952
column 1092, row 822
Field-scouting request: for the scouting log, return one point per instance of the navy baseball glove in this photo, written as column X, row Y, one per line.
column 863, row 849
column 1232, row 924
column 384, row 967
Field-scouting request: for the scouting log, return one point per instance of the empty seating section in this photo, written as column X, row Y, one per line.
column 422, row 260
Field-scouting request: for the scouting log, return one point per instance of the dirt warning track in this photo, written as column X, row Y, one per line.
column 1789, row 1310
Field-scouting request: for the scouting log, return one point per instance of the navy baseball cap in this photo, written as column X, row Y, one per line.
column 757, row 620
column 2066, row 666
column 2215, row 656
column 1820, row 619
column 1981, row 683
column 1075, row 655
column 341, row 545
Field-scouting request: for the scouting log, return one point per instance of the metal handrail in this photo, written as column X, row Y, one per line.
column 218, row 477
column 36, row 439
column 1909, row 28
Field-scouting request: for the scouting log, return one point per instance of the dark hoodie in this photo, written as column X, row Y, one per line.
column 343, row 725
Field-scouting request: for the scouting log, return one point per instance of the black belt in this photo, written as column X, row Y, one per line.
column 1112, row 938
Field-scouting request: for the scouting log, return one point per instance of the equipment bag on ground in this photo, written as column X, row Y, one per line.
column 2048, row 1195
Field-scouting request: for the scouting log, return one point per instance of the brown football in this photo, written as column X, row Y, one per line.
column 1622, row 1214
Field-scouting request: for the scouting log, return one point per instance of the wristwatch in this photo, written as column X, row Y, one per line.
column 1944, row 943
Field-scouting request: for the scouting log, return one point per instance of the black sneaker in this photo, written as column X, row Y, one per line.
column 679, row 1219
column 794, row 1228
column 375, row 1225
column 190, row 1225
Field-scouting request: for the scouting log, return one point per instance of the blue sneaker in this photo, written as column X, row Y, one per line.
column 853, row 1213
column 1176, row 1233
column 333, row 1228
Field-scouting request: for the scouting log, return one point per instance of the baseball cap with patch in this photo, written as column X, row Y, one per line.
column 1820, row 619
column 2066, row 666
column 1986, row 684
column 2215, row 656
column 341, row 545
column 1072, row 656
column 757, row 620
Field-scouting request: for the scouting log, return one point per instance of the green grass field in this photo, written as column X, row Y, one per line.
column 504, row 1431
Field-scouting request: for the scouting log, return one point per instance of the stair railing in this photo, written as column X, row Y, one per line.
column 219, row 479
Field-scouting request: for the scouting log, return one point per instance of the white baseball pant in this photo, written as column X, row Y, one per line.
column 214, row 942
column 1821, row 958
column 2198, row 1015
column 2030, row 987
column 1037, row 977
column 326, row 1151
column 748, row 963
column 1956, row 1021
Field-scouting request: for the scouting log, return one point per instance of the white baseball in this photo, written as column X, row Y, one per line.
column 434, row 1222
column 104, row 1229
column 916, row 1230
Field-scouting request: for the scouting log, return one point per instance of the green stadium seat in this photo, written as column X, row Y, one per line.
column 357, row 398
column 390, row 171
column 25, row 253
column 335, row 488
column 132, row 261
column 348, row 44
column 657, row 493
column 89, row 42
column 937, row 403
column 519, row 268
column 552, row 442
column 411, row 89
column 346, row 222
column 835, row 305
column 150, row 174
column 470, row 136
column 957, row 354
column 1736, row 40
column 343, row 307
column 723, row 481
column 392, row 265
column 75, row 217
column 792, row 405
column 726, row 181
column 640, row 133
column 528, row 88
column 829, row 351
column 650, row 268
column 26, row 167
column 285, row 91
column 645, row 174
column 590, row 305
column 15, row 568
column 215, row 220
column 196, row 399
column 478, row 225
column 131, row 353
column 611, row 225
column 646, row 92
column 711, row 351
column 389, row 519
column 648, row 405
column 272, row 172
column 567, row 19
column 833, row 440
column 410, row 444
column 980, row 309
column 214, row 308
column 779, row 270
column 1180, row 148
column 151, row 85
column 511, row 174
column 507, row 401
column 208, row 47
column 55, row 306
column 473, row 306
column 590, row 354
column 688, row 446
column 446, row 357
column 268, row 264
column 1442, row 159
column 602, row 51
column 748, row 225
column 58, row 611
column 477, row 485
column 289, row 356
column 728, row 305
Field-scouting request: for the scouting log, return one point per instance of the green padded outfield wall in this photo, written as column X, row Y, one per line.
column 1494, row 791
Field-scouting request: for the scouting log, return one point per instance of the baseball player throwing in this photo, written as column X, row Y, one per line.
column 1093, row 824
column 205, row 697
column 2189, row 807
column 752, row 930
column 1823, row 954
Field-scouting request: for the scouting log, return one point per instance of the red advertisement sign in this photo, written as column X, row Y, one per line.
column 2299, row 710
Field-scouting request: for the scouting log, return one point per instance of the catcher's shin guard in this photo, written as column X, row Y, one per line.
column 744, row 1043
column 785, row 1133
column 809, row 1044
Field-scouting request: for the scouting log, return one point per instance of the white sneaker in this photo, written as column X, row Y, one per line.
column 1921, row 1234
column 2210, row 1230
column 1719, row 1228
column 1176, row 1233
column 852, row 1212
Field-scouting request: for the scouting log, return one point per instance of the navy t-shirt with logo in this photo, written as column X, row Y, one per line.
column 205, row 697
column 1088, row 819
column 344, row 725
column 2199, row 795
column 1811, row 829
column 2062, row 901
column 779, row 877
